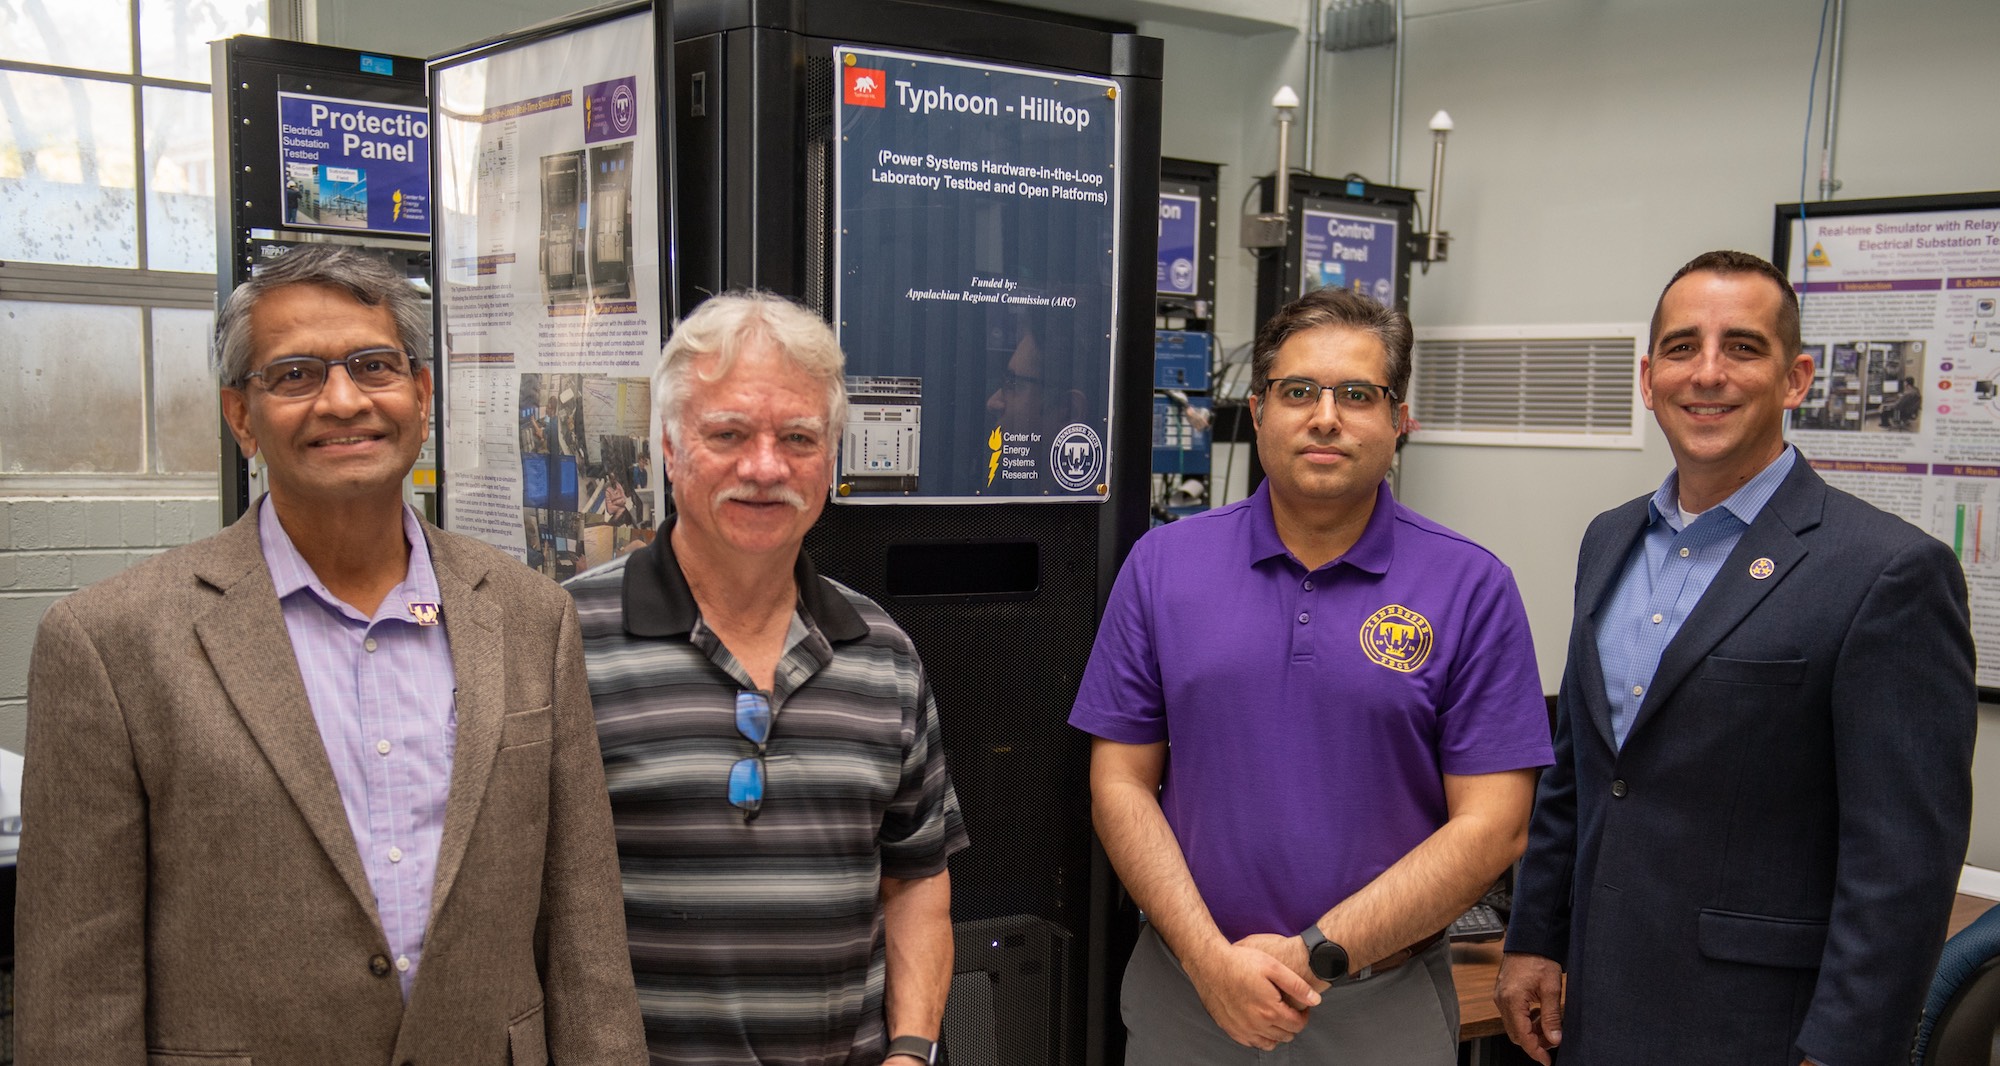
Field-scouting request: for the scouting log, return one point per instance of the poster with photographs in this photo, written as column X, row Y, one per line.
column 586, row 470
column 1899, row 305
column 549, row 291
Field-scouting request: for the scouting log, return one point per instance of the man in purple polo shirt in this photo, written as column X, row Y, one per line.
column 1355, row 717
column 323, row 788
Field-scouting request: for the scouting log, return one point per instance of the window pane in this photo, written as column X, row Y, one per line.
column 174, row 34
column 69, row 389
column 66, row 172
column 184, row 392
column 90, row 34
column 180, row 181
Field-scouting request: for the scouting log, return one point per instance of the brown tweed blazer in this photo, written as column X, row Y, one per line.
column 190, row 892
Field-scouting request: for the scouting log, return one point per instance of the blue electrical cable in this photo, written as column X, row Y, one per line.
column 1805, row 152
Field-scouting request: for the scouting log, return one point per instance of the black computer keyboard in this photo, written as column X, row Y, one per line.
column 1482, row 922
column 1485, row 920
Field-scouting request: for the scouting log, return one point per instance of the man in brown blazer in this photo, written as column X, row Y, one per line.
column 325, row 787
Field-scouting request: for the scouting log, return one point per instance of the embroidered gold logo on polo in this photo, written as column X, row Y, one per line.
column 1397, row 637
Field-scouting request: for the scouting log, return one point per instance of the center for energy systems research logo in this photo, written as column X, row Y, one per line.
column 1076, row 457
column 867, row 87
column 1397, row 637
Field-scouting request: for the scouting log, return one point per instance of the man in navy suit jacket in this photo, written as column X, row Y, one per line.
column 1747, row 848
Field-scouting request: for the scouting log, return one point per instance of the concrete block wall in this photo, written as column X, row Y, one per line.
column 51, row 546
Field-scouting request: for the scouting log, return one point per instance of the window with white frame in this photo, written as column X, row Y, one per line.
column 107, row 239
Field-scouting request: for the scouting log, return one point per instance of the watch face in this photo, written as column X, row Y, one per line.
column 1329, row 961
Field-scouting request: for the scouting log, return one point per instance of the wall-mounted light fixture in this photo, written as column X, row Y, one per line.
column 1437, row 243
column 1268, row 230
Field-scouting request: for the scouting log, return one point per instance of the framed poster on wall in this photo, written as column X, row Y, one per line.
column 975, row 288
column 551, row 303
column 1899, row 305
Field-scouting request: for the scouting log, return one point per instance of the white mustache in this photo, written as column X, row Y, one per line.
column 749, row 494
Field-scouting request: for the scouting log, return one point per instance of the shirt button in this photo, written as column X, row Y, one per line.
column 370, row 642
column 395, row 854
column 1638, row 690
column 1684, row 553
column 378, row 965
column 383, row 745
column 1304, row 617
column 1657, row 619
column 402, row 964
column 1618, row 788
column 1309, row 585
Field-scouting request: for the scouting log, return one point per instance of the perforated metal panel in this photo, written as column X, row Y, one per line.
column 818, row 243
column 1005, row 669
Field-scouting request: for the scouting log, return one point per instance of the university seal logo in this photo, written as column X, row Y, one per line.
column 1076, row 457
column 1397, row 637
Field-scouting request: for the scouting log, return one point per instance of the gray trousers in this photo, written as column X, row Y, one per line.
column 1406, row 1017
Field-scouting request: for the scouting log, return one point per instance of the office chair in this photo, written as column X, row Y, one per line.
column 1962, row 1011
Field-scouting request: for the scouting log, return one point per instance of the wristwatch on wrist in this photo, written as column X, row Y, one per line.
column 916, row 1047
column 1328, row 959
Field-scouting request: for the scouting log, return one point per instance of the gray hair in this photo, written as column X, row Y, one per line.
column 727, row 323
column 1341, row 308
column 360, row 274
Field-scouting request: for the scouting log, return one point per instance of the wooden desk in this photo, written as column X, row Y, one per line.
column 1473, row 969
column 1475, row 966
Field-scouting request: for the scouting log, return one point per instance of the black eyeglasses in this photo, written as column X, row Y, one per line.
column 746, row 778
column 1352, row 397
column 1012, row 382
column 296, row 377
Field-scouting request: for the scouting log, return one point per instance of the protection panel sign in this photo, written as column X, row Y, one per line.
column 1180, row 241
column 975, row 290
column 351, row 164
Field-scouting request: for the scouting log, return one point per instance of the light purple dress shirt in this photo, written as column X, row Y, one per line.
column 382, row 692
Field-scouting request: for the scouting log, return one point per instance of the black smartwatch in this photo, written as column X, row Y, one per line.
column 1328, row 959
column 916, row 1046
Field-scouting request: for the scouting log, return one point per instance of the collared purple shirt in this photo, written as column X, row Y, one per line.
column 1311, row 715
column 381, row 690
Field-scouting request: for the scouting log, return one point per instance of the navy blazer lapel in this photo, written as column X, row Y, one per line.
column 251, row 652
column 474, row 625
column 1736, row 590
column 1603, row 561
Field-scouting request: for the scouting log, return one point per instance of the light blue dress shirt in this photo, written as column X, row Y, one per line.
column 1664, row 577
column 382, row 693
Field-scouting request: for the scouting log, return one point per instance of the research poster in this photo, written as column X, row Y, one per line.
column 548, row 288
column 1341, row 250
column 353, row 164
column 1898, row 311
column 975, row 288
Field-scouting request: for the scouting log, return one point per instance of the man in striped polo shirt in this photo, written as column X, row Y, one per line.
column 783, row 810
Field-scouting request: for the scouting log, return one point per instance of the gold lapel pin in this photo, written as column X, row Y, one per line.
column 1762, row 569
column 426, row 614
